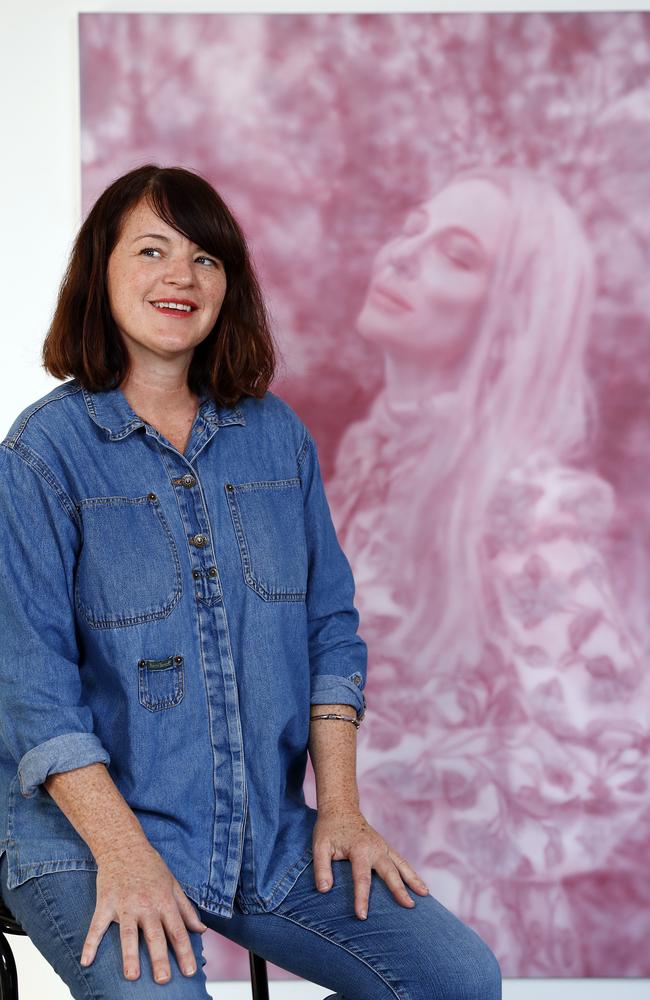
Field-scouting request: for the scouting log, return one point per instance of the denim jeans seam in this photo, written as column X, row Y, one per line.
column 75, row 961
column 350, row 951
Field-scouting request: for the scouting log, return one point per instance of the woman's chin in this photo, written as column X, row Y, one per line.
column 379, row 326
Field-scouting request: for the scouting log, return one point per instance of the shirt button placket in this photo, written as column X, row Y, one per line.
column 199, row 541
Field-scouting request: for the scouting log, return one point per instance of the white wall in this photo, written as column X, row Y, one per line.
column 40, row 204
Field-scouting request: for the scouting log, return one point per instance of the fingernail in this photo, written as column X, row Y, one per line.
column 363, row 914
column 323, row 885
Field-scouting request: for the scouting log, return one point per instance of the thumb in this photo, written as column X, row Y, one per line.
column 191, row 917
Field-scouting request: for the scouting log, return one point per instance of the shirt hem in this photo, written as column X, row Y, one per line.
column 252, row 902
column 258, row 904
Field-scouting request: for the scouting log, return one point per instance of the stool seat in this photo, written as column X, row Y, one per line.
column 9, row 978
column 8, row 923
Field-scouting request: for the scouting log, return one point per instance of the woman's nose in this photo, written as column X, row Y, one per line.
column 179, row 271
column 404, row 264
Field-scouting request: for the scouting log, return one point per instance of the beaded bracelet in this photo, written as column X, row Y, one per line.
column 333, row 715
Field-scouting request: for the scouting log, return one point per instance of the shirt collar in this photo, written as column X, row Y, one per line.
column 111, row 411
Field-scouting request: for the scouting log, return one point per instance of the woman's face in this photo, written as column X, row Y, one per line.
column 152, row 264
column 438, row 267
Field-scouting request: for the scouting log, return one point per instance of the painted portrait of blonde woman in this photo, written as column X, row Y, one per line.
column 509, row 687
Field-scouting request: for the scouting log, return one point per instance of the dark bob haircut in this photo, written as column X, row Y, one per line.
column 238, row 357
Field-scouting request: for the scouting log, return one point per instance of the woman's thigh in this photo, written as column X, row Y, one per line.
column 56, row 909
column 397, row 953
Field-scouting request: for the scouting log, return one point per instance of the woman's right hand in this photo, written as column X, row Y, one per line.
column 135, row 888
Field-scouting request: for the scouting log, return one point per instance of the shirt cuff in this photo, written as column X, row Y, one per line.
column 61, row 753
column 334, row 689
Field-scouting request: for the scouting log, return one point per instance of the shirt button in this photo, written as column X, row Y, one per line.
column 230, row 487
column 152, row 496
column 196, row 573
column 199, row 540
column 357, row 679
column 212, row 571
column 188, row 480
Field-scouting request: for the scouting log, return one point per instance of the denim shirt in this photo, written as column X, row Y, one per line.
column 172, row 616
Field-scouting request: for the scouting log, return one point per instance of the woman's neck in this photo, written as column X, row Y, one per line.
column 414, row 384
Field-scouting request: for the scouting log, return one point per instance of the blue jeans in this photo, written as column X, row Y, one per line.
column 423, row 953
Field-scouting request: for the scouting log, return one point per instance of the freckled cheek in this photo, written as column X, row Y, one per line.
column 128, row 296
column 215, row 294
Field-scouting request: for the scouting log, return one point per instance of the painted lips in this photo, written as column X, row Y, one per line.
column 391, row 299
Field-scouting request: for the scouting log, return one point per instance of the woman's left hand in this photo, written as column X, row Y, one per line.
column 343, row 832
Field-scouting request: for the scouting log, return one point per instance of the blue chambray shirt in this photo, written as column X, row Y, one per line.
column 173, row 616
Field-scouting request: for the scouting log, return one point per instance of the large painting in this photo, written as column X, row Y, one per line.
column 449, row 215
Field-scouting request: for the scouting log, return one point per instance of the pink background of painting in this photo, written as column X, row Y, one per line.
column 512, row 772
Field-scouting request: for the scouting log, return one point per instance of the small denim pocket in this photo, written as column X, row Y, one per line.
column 128, row 570
column 161, row 683
column 268, row 518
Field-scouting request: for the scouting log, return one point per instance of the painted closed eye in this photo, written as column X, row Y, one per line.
column 462, row 255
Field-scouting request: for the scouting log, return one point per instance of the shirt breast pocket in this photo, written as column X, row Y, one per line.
column 128, row 570
column 268, row 519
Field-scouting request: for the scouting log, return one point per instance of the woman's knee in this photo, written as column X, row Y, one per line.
column 482, row 976
column 455, row 964
column 473, row 974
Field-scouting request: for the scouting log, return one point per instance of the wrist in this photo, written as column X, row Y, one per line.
column 123, row 850
column 338, row 804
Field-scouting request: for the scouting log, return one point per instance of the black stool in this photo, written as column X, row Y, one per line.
column 9, row 978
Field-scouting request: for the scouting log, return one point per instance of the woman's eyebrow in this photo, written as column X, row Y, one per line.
column 155, row 236
column 453, row 228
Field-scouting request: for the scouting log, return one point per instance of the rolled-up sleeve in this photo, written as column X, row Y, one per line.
column 43, row 723
column 338, row 656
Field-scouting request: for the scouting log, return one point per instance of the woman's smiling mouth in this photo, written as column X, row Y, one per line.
column 175, row 307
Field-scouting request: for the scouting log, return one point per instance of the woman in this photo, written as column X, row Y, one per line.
column 476, row 534
column 183, row 609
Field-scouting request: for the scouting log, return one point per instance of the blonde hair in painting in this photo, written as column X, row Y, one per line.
column 524, row 390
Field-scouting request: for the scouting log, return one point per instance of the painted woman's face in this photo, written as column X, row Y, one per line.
column 428, row 284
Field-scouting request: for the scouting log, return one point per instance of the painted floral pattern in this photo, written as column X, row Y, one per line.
column 505, row 774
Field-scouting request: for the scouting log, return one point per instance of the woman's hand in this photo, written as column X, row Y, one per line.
column 135, row 887
column 342, row 832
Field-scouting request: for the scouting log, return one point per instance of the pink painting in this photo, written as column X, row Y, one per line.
column 450, row 217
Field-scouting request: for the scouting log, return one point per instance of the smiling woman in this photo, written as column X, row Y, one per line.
column 161, row 239
column 149, row 286
column 185, row 606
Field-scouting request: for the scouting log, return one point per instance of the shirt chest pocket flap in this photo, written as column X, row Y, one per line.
column 268, row 519
column 128, row 570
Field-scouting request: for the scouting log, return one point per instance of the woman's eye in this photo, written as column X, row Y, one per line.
column 463, row 262
column 210, row 260
column 149, row 250
column 462, row 256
